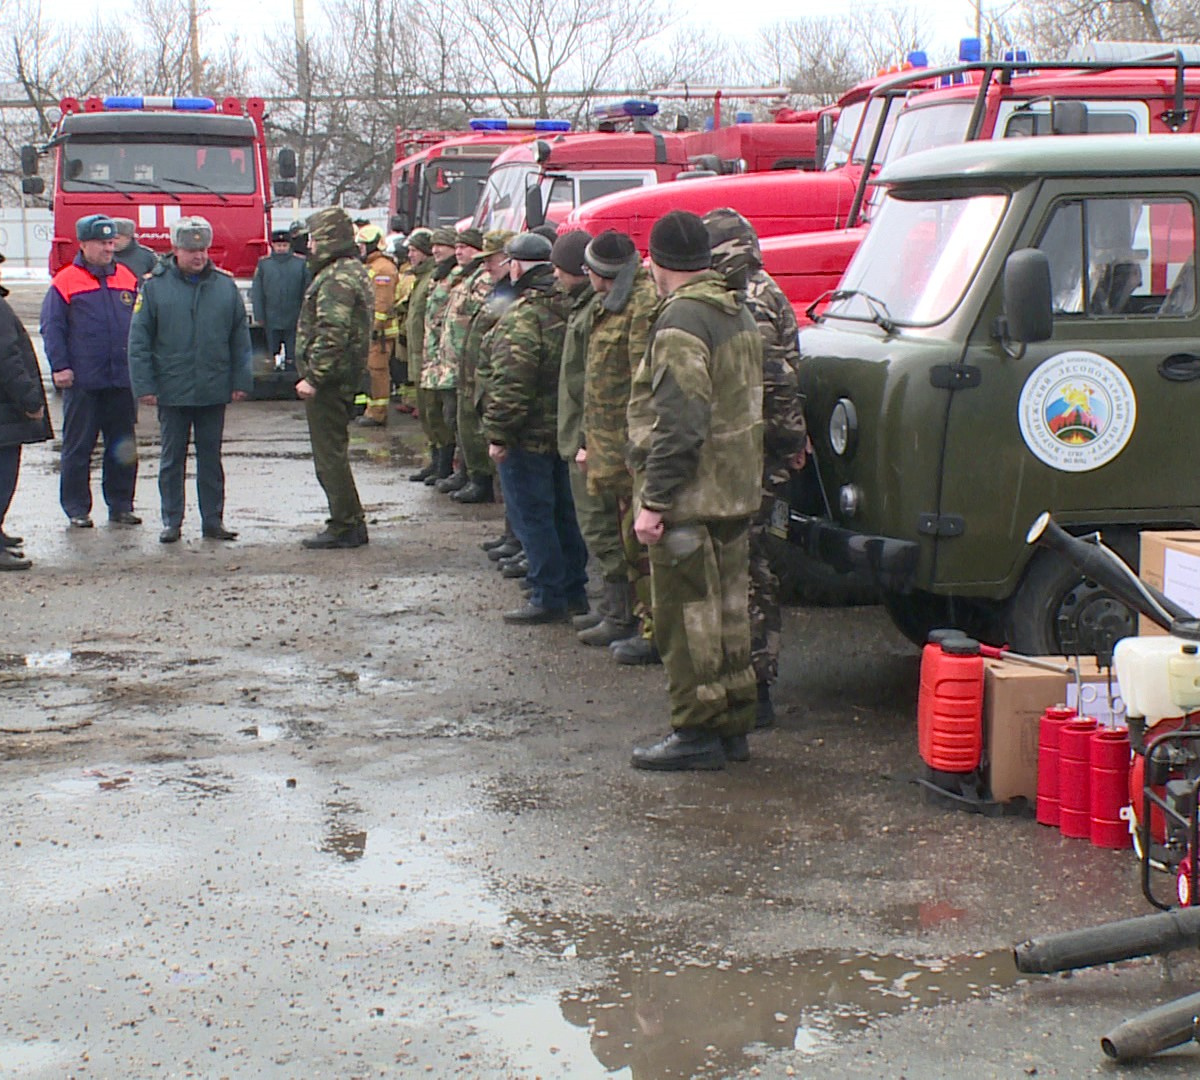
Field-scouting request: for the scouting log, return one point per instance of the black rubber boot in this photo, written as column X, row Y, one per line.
column 764, row 716
column 424, row 474
column 455, row 482
column 479, row 490
column 444, row 465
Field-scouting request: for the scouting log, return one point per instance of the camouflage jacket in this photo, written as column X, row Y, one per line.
column 434, row 375
column 571, row 374
column 521, row 406
column 414, row 317
column 466, row 298
column 333, row 335
column 477, row 356
column 619, row 334
column 784, row 430
column 695, row 407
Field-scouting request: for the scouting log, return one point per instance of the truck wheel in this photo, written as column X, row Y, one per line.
column 916, row 613
column 1056, row 610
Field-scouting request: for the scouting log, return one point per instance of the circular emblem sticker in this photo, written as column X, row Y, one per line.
column 1077, row 411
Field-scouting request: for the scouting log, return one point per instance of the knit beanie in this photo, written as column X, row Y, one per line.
column 608, row 252
column 421, row 240
column 679, row 241
column 567, row 253
column 471, row 237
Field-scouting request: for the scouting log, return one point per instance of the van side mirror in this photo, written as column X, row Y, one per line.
column 285, row 189
column 32, row 185
column 1028, row 308
column 1069, row 118
column 535, row 215
column 286, row 163
column 29, row 160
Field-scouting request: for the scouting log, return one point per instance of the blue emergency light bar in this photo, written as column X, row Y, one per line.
column 625, row 110
column 970, row 50
column 519, row 124
column 1016, row 56
column 184, row 104
column 918, row 58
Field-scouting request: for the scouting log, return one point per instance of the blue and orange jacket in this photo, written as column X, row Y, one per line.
column 85, row 323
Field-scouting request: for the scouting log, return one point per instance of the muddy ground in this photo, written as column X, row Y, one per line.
column 271, row 812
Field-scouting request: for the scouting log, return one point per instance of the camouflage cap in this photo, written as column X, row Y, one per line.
column 734, row 242
column 471, row 238
column 331, row 226
column 445, row 235
column 421, row 240
column 192, row 234
column 495, row 239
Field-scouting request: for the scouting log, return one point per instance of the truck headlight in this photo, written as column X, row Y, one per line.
column 843, row 428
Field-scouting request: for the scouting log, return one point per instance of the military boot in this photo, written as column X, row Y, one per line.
column 618, row 622
column 444, row 465
column 479, row 490
column 456, row 481
column 424, row 474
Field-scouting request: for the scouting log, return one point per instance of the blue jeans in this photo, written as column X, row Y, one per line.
column 206, row 425
column 537, row 491
column 86, row 415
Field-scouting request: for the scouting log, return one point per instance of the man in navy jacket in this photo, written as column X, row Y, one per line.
column 85, row 329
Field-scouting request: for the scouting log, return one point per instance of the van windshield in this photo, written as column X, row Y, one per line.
column 928, row 127
column 918, row 259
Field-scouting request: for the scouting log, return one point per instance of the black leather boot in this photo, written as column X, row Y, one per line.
column 479, row 490
column 445, row 465
column 686, row 748
column 456, row 481
column 424, row 474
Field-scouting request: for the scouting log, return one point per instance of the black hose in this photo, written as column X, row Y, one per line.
column 1172, row 1024
column 1123, row 940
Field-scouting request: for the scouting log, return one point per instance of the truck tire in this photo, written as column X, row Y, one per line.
column 918, row 612
column 1056, row 610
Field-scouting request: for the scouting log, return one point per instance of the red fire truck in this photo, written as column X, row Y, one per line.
column 438, row 175
column 543, row 179
column 156, row 159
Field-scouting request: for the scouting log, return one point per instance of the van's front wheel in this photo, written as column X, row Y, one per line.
column 916, row 613
column 1056, row 610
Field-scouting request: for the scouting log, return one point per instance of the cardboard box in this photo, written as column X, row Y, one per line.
column 1014, row 698
column 1170, row 561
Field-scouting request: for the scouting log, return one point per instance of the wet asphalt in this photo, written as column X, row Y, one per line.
column 272, row 812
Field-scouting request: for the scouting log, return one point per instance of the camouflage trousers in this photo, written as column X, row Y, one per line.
column 699, row 578
column 472, row 446
column 637, row 559
column 600, row 525
column 765, row 620
column 433, row 420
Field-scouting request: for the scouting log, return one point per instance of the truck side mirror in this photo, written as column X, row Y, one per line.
column 1069, row 118
column 29, row 160
column 1028, row 311
column 32, row 185
column 285, row 163
column 535, row 215
column 285, row 189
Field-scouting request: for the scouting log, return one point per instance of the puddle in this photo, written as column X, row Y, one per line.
column 343, row 837
column 652, row 1012
column 64, row 659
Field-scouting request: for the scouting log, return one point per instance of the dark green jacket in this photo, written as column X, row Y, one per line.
column 277, row 291
column 189, row 341
column 333, row 335
column 574, row 365
column 414, row 322
column 521, row 406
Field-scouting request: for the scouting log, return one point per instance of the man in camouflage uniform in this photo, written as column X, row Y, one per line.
column 620, row 329
column 437, row 379
column 736, row 256
column 332, row 341
column 485, row 311
column 469, row 287
column 420, row 255
column 695, row 431
column 384, row 275
column 520, row 421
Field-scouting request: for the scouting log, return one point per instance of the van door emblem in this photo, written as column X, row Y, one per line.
column 1077, row 411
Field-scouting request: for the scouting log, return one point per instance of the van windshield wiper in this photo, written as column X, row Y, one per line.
column 876, row 308
column 194, row 184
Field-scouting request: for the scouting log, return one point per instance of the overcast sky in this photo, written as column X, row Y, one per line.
column 947, row 20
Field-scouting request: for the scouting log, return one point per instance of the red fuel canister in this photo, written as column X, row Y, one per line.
column 950, row 705
column 1074, row 777
column 1049, row 736
column 1110, row 787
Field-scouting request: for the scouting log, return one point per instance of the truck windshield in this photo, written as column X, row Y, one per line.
column 843, row 148
column 502, row 204
column 452, row 189
column 158, row 166
column 926, row 128
column 918, row 259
